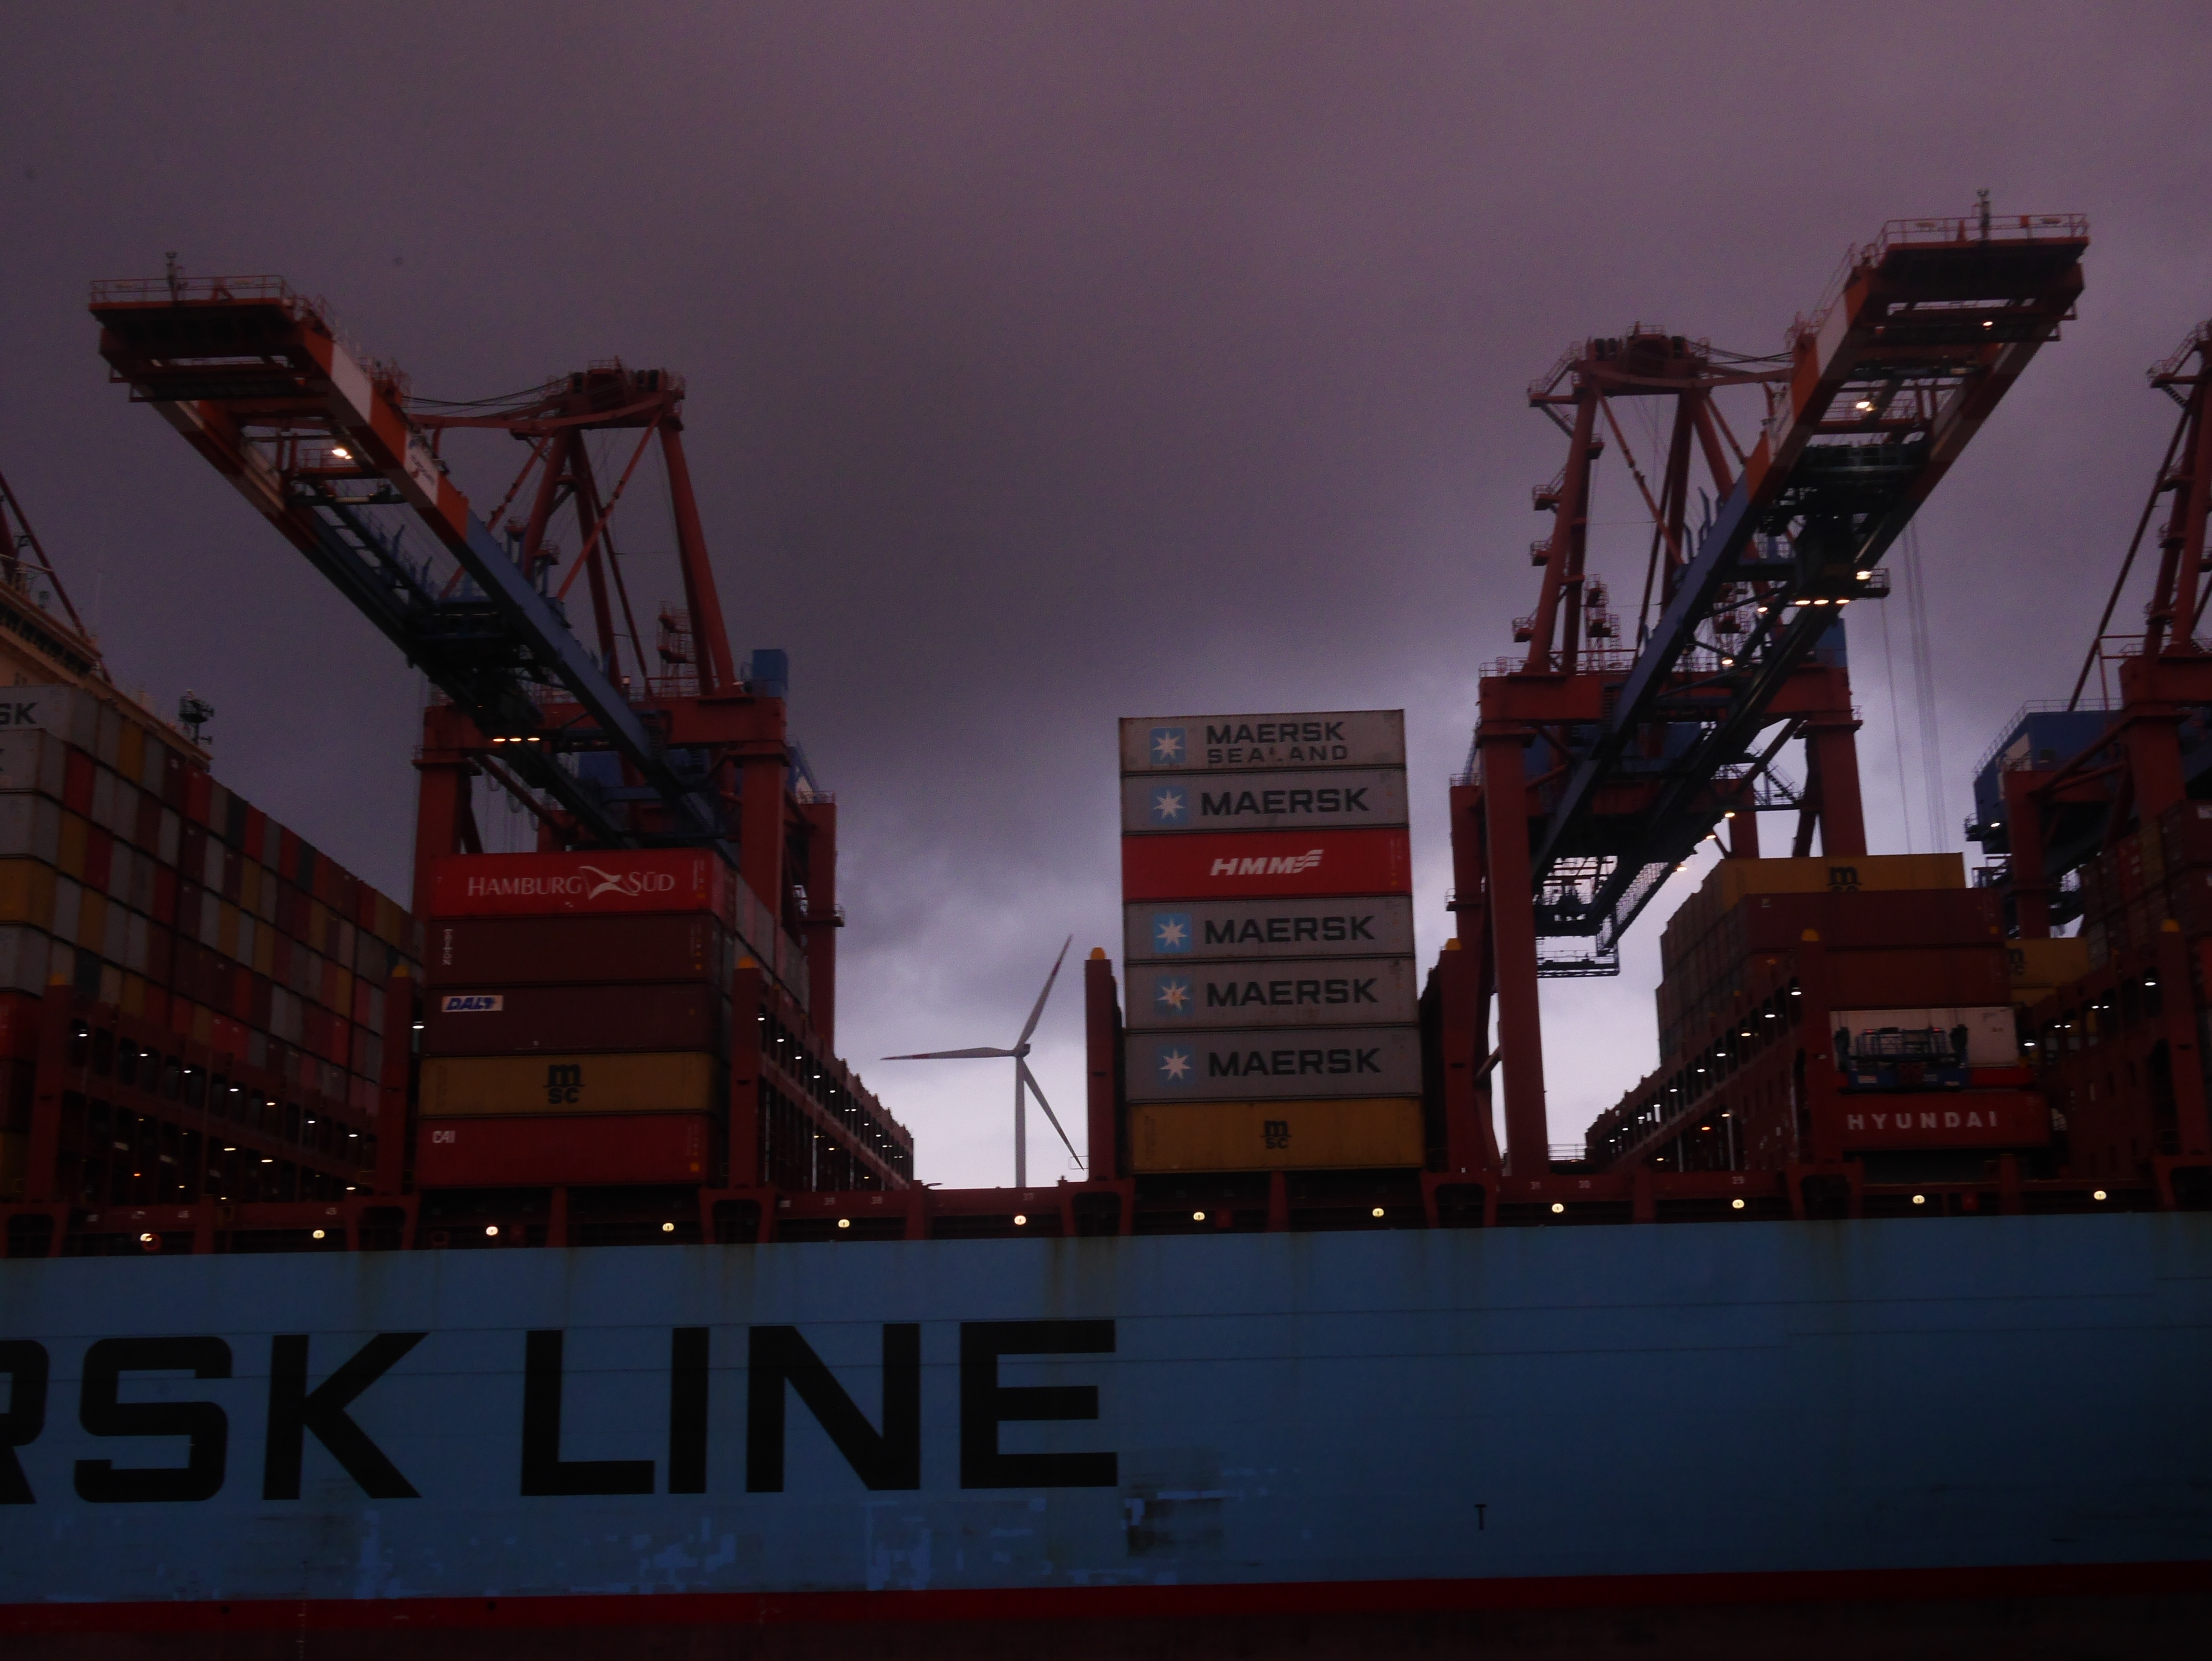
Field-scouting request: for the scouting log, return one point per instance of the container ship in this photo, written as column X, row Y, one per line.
column 480, row 1298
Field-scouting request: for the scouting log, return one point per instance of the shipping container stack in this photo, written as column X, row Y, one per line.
column 193, row 1001
column 1812, row 1011
column 628, row 1018
column 2115, row 1036
column 1272, row 1018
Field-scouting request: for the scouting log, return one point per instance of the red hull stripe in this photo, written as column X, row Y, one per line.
column 2035, row 1582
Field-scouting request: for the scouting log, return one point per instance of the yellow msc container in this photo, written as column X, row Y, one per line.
column 1361, row 1134
column 488, row 1086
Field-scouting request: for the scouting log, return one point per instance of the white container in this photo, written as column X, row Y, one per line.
column 1311, row 992
column 30, row 828
column 1261, row 1065
column 32, row 760
column 70, row 714
column 1333, row 738
column 1343, row 798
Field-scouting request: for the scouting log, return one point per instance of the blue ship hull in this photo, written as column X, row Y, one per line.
column 1427, row 1427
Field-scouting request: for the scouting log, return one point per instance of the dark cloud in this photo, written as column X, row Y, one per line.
column 1054, row 363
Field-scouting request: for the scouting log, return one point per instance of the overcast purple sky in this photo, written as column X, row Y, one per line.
column 1050, row 364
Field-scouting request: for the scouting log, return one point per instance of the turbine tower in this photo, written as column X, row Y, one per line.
column 1025, row 1081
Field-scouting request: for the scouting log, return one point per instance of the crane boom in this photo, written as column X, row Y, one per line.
column 319, row 440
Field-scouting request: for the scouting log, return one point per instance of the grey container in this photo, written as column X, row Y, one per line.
column 1274, row 992
column 1335, row 738
column 67, row 712
column 32, row 760
column 1256, row 1064
column 1347, row 799
column 1177, row 931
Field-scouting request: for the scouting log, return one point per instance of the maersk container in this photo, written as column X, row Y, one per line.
column 542, row 1152
column 508, row 1019
column 1258, row 1063
column 1363, row 1134
column 1172, row 931
column 1353, row 798
column 471, row 952
column 1272, row 864
column 1272, row 992
column 70, row 712
column 1340, row 738
column 488, row 1086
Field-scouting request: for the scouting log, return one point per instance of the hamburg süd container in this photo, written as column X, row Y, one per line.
column 531, row 1152
column 522, row 1019
column 599, row 882
column 1354, row 798
column 1343, row 738
column 466, row 952
column 1253, row 864
column 1358, row 1133
column 490, row 1086
column 1175, row 932
column 1260, row 1064
column 1273, row 992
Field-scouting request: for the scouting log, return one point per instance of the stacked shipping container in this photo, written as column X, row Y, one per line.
column 580, row 1030
column 132, row 880
column 1808, row 1007
column 1266, row 882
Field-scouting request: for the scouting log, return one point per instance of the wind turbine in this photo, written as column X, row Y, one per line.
column 1023, row 1079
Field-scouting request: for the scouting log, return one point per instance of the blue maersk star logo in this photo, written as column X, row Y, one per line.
column 1172, row 995
column 1171, row 934
column 1168, row 747
column 1170, row 805
column 1175, row 1065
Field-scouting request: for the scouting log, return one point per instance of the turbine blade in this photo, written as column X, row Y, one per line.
column 1036, row 1013
column 1022, row 1074
column 947, row 1055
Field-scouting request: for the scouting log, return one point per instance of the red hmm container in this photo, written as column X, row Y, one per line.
column 514, row 1152
column 599, row 882
column 471, row 952
column 518, row 1020
column 1235, row 865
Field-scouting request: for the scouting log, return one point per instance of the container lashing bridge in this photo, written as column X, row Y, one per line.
column 1597, row 767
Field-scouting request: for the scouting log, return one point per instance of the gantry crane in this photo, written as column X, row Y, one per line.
column 2064, row 784
column 1596, row 770
column 328, row 444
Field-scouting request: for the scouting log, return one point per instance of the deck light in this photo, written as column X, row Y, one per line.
column 1021, row 1220
column 1736, row 1205
column 844, row 1222
column 1198, row 1216
column 1863, row 576
column 1378, row 1211
column 317, row 1235
column 1558, row 1208
column 668, row 1228
column 1920, row 1199
column 145, row 1239
column 1866, row 404
column 2098, row 1194
column 491, row 1230
column 341, row 453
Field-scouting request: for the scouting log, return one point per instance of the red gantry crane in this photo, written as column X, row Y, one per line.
column 1598, row 766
